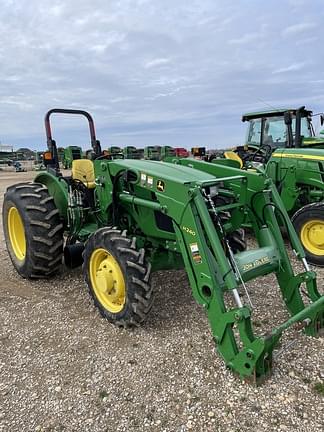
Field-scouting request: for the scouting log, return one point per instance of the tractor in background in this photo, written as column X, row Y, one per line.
column 152, row 153
column 70, row 154
column 115, row 152
column 198, row 152
column 123, row 219
column 167, row 151
column 282, row 143
column 131, row 152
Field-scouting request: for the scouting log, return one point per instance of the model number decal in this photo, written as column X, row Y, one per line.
column 189, row 230
column 256, row 263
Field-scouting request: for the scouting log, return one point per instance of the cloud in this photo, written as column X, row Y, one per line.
column 180, row 76
column 156, row 62
column 291, row 68
column 247, row 38
column 298, row 28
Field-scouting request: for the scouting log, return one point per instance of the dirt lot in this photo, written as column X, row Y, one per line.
column 63, row 368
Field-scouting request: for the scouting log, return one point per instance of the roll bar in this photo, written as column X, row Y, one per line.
column 51, row 144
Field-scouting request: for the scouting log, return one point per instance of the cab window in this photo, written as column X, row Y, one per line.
column 275, row 132
column 254, row 133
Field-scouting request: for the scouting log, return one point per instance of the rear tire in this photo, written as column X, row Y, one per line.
column 309, row 225
column 33, row 231
column 118, row 277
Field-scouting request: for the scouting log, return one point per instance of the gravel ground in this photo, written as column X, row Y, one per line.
column 64, row 368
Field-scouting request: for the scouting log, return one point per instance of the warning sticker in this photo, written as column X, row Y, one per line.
column 195, row 253
column 149, row 181
column 143, row 177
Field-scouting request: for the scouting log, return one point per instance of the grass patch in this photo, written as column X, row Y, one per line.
column 103, row 394
column 319, row 388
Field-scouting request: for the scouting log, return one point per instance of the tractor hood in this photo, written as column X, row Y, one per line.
column 163, row 170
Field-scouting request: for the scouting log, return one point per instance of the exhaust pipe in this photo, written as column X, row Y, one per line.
column 73, row 255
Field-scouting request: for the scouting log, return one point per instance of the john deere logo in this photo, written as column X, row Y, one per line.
column 160, row 185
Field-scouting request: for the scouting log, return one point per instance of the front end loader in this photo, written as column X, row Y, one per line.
column 124, row 219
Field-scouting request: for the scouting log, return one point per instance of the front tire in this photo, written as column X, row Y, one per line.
column 309, row 225
column 33, row 231
column 118, row 277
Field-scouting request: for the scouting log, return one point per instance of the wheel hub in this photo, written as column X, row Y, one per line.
column 312, row 236
column 16, row 233
column 107, row 280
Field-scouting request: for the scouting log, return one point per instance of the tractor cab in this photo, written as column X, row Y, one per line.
column 276, row 129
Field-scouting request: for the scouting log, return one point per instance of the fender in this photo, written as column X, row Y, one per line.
column 58, row 189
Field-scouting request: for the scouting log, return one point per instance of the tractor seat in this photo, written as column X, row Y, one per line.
column 234, row 156
column 82, row 170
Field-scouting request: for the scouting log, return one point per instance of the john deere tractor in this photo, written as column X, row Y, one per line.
column 131, row 152
column 284, row 145
column 152, row 153
column 124, row 219
column 70, row 154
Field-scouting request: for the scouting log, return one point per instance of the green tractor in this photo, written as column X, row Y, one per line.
column 152, row 153
column 131, row 152
column 167, row 151
column 124, row 219
column 115, row 152
column 283, row 144
column 70, row 154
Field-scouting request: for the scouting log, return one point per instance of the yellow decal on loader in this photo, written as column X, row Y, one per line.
column 189, row 230
column 258, row 262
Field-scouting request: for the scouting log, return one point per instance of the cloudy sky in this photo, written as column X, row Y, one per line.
column 155, row 71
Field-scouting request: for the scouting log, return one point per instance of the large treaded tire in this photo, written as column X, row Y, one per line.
column 43, row 230
column 310, row 212
column 237, row 241
column 139, row 294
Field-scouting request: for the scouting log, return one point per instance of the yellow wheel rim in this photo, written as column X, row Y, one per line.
column 107, row 280
column 17, row 233
column 312, row 236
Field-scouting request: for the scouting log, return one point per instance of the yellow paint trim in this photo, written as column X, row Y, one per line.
column 298, row 156
column 107, row 280
column 16, row 233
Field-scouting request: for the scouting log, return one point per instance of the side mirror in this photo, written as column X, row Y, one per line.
column 287, row 118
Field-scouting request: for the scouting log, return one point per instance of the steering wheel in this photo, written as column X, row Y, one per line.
column 254, row 153
column 263, row 154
